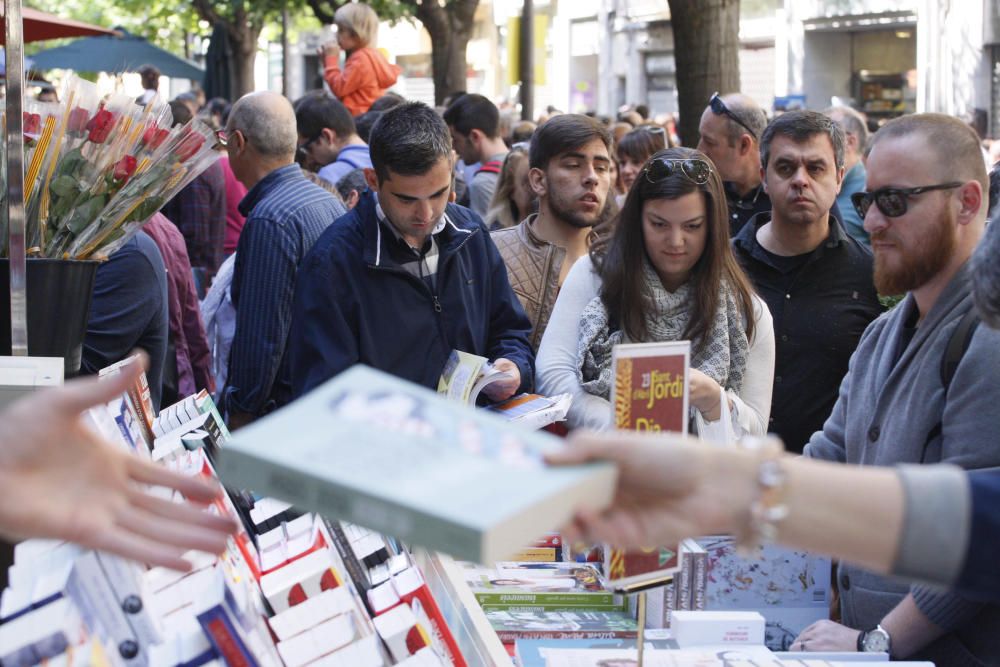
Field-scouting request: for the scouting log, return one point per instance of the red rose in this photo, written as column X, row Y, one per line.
column 189, row 145
column 77, row 122
column 154, row 136
column 32, row 123
column 124, row 168
column 100, row 126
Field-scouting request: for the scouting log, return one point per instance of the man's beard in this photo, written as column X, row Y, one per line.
column 915, row 267
column 563, row 211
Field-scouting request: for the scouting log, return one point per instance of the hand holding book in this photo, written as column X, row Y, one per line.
column 504, row 387
column 59, row 480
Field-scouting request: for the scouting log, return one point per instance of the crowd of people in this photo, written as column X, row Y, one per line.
column 354, row 226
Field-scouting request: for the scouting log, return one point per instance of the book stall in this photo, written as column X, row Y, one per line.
column 380, row 523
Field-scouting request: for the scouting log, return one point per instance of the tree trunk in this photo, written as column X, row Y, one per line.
column 244, row 44
column 450, row 28
column 706, row 53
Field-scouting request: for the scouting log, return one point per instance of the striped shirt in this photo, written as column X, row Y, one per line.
column 419, row 262
column 285, row 215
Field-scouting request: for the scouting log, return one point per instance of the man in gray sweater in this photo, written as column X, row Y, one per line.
column 925, row 209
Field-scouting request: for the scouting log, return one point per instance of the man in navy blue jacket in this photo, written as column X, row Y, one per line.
column 406, row 277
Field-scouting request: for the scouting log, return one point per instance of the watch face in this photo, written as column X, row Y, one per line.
column 877, row 641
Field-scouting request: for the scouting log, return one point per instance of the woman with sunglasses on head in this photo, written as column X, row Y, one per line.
column 513, row 200
column 634, row 149
column 667, row 273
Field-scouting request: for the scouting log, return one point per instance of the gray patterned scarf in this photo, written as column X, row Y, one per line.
column 723, row 357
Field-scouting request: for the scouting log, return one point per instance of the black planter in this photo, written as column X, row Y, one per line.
column 58, row 294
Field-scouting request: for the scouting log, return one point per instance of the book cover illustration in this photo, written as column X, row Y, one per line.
column 649, row 381
column 790, row 589
column 397, row 458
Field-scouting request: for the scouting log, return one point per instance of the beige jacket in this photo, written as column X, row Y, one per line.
column 533, row 268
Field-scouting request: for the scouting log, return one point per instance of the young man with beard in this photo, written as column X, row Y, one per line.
column 570, row 172
column 815, row 278
column 909, row 397
column 406, row 277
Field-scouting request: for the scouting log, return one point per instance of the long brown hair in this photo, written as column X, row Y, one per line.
column 619, row 265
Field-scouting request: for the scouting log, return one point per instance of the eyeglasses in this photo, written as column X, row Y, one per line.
column 303, row 148
column 719, row 108
column 696, row 171
column 892, row 201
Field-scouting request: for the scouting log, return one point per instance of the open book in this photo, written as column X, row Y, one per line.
column 465, row 375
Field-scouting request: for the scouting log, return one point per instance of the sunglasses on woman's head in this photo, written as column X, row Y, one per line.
column 695, row 170
column 892, row 201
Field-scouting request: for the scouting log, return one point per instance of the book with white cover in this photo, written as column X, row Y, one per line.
column 395, row 457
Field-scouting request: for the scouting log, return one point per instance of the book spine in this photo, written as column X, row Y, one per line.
column 511, row 636
column 553, row 601
column 669, row 602
column 225, row 638
column 683, row 582
column 517, row 607
column 699, row 582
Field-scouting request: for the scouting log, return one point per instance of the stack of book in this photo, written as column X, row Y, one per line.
column 290, row 589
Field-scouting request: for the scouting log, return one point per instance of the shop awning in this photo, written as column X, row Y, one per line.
column 39, row 26
column 113, row 54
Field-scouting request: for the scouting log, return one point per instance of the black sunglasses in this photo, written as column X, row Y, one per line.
column 696, row 171
column 892, row 201
column 719, row 108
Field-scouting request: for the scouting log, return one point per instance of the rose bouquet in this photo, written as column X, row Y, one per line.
column 106, row 167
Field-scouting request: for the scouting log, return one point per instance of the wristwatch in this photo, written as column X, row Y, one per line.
column 875, row 641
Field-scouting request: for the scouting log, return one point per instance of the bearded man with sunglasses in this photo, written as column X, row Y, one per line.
column 922, row 385
column 816, row 280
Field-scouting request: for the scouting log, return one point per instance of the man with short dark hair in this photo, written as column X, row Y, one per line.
column 285, row 214
column 855, row 140
column 406, row 277
column 922, row 384
column 150, row 77
column 328, row 138
column 474, row 123
column 816, row 280
column 570, row 173
column 729, row 134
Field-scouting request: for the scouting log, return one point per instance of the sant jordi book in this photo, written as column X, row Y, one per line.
column 649, row 381
column 397, row 458
column 465, row 375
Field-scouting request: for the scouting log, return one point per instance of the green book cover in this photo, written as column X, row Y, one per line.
column 397, row 458
column 532, row 586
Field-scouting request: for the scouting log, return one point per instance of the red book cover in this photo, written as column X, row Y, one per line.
column 649, row 381
column 650, row 385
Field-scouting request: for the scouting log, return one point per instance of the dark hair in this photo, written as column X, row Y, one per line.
column 640, row 143
column 564, row 133
column 473, row 112
column 387, row 101
column 316, row 112
column 622, row 288
column 408, row 140
column 181, row 112
column 642, row 110
column 351, row 181
column 801, row 126
column 364, row 123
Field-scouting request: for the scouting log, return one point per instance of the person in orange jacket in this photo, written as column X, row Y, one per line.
column 366, row 74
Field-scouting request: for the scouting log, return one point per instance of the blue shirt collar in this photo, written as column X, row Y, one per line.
column 264, row 186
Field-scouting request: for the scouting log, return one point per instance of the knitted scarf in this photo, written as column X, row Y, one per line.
column 722, row 356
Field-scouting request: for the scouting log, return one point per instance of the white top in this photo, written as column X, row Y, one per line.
column 556, row 363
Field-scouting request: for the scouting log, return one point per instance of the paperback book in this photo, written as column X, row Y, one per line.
column 539, row 586
column 465, row 375
column 513, row 625
column 397, row 458
column 649, row 382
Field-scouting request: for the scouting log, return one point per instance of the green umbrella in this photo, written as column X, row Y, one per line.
column 116, row 54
